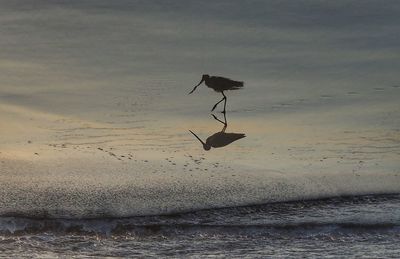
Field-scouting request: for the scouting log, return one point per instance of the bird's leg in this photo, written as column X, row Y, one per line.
column 224, row 128
column 226, row 122
column 224, row 111
column 215, row 117
column 215, row 106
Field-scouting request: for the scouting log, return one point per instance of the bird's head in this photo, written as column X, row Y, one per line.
column 205, row 145
column 203, row 78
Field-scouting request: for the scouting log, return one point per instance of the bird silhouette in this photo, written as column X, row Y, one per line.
column 221, row 138
column 219, row 84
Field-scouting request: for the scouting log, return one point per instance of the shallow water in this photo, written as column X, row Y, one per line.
column 95, row 118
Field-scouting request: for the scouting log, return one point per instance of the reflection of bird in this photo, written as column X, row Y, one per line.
column 219, row 84
column 219, row 139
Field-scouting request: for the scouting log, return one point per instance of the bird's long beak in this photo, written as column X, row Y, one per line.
column 196, row 87
column 197, row 138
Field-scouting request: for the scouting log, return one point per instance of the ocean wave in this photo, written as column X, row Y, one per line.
column 17, row 226
column 338, row 214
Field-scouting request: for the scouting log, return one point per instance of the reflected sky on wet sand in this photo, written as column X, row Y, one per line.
column 321, row 81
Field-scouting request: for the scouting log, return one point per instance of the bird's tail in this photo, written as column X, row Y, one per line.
column 236, row 136
column 238, row 85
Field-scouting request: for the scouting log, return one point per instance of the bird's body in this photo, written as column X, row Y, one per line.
column 222, row 139
column 219, row 84
column 219, row 139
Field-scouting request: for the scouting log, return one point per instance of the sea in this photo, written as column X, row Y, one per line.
column 97, row 153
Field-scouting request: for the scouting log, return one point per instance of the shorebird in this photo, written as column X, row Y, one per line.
column 219, row 139
column 219, row 84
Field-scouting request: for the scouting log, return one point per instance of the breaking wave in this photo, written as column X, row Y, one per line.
column 334, row 214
